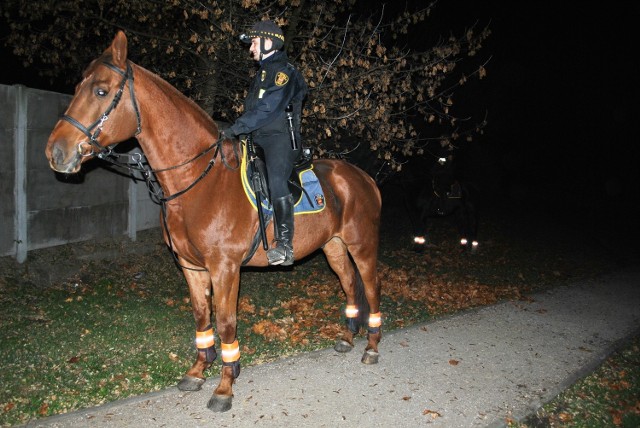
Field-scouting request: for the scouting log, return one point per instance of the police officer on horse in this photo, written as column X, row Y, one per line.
column 277, row 89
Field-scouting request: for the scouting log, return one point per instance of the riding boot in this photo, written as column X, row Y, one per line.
column 282, row 251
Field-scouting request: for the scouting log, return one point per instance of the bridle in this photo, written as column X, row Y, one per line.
column 107, row 154
column 96, row 127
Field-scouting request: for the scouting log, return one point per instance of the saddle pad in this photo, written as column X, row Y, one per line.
column 314, row 203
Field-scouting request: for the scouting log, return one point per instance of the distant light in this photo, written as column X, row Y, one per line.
column 442, row 161
column 420, row 240
column 463, row 241
column 475, row 243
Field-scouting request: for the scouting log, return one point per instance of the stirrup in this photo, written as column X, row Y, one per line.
column 281, row 254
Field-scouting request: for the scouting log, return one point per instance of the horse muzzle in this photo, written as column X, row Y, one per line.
column 64, row 160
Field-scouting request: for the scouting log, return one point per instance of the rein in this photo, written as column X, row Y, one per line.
column 157, row 194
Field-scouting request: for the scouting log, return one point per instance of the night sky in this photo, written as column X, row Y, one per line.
column 561, row 93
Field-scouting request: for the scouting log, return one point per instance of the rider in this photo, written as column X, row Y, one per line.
column 277, row 85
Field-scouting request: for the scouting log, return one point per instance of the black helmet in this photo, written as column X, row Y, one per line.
column 265, row 30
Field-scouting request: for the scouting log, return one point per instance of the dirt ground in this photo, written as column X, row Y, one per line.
column 82, row 261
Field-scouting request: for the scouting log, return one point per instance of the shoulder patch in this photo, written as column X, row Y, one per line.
column 281, row 78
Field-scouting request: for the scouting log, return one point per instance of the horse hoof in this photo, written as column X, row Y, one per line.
column 370, row 357
column 190, row 383
column 220, row 403
column 343, row 346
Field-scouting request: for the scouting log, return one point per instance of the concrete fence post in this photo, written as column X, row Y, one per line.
column 132, row 217
column 20, row 186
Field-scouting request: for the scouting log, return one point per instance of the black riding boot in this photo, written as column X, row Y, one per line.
column 282, row 252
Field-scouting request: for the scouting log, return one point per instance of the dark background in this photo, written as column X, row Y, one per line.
column 561, row 95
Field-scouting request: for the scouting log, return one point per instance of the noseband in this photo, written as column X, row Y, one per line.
column 96, row 127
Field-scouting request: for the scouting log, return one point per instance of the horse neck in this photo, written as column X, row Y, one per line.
column 174, row 131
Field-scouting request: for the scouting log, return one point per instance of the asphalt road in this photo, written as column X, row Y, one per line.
column 473, row 369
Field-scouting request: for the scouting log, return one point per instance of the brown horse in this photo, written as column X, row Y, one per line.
column 208, row 221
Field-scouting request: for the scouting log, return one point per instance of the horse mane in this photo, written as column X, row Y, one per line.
column 229, row 148
column 174, row 94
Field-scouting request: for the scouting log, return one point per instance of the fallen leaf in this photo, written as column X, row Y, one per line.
column 454, row 362
column 432, row 413
column 44, row 408
column 270, row 330
column 617, row 415
column 245, row 305
column 565, row 417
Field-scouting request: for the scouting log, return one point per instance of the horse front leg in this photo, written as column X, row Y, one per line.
column 226, row 281
column 200, row 291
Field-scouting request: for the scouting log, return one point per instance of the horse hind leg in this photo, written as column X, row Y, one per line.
column 362, row 299
column 366, row 260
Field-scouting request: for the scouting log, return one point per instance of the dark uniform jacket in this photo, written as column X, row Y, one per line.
column 276, row 84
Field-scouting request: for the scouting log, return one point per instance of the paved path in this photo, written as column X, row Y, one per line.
column 472, row 369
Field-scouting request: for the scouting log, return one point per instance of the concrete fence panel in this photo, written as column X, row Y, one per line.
column 41, row 208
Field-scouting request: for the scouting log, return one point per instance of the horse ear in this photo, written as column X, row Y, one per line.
column 119, row 50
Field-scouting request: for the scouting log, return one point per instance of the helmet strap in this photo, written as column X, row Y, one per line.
column 263, row 50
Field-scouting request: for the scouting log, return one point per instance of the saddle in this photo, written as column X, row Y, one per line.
column 303, row 183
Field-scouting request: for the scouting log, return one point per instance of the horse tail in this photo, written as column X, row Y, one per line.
column 361, row 301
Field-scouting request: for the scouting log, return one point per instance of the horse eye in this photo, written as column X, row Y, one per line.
column 100, row 92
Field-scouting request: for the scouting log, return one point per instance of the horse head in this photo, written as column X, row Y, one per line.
column 101, row 113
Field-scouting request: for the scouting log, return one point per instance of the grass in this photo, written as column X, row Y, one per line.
column 608, row 397
column 117, row 327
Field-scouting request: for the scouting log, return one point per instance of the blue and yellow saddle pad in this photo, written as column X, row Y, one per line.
column 314, row 203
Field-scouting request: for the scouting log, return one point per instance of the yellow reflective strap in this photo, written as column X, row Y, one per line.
column 204, row 339
column 351, row 311
column 230, row 352
column 375, row 320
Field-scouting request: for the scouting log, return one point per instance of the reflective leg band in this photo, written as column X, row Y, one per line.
column 375, row 321
column 206, row 343
column 204, row 339
column 351, row 311
column 230, row 352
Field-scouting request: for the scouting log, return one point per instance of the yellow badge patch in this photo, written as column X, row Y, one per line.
column 281, row 79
